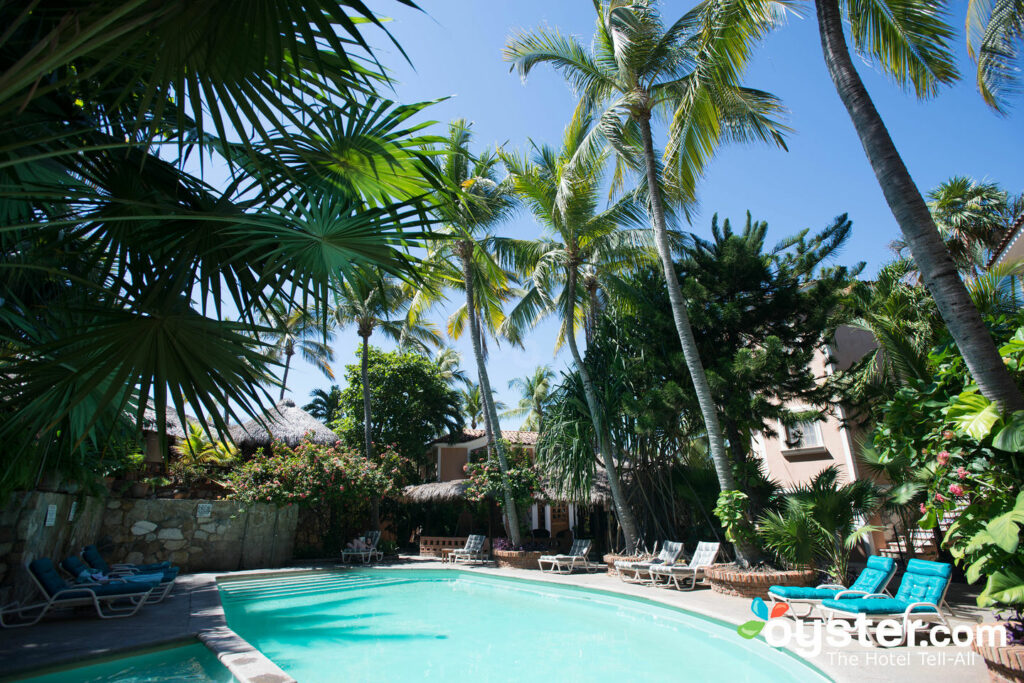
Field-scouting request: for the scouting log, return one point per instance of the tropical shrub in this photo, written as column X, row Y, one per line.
column 972, row 452
column 485, row 478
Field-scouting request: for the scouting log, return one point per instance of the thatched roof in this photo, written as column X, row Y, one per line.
column 284, row 422
column 175, row 427
column 516, row 438
column 435, row 492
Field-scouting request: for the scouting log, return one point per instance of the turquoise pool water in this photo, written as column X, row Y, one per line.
column 193, row 663
column 407, row 625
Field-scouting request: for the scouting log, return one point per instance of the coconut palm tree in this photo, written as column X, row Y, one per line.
column 473, row 405
column 533, row 389
column 293, row 330
column 449, row 361
column 994, row 32
column 582, row 248
column 910, row 41
column 477, row 202
column 326, row 405
column 687, row 75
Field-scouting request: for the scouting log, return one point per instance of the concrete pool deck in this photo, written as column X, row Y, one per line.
column 195, row 611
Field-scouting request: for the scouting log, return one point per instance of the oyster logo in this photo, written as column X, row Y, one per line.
column 753, row 627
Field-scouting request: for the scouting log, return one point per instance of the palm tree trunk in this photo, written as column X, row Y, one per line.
column 626, row 518
column 368, row 426
column 511, row 514
column 716, row 444
column 289, row 351
column 908, row 207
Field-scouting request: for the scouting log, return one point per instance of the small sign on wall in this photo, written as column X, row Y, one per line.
column 51, row 515
column 74, row 510
column 204, row 509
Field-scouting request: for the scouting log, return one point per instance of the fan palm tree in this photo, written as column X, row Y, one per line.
column 107, row 240
column 326, row 405
column 533, row 389
column 583, row 247
column 477, row 201
column 686, row 74
column 293, row 330
column 910, row 41
column 994, row 32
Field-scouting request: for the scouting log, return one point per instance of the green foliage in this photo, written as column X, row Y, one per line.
column 198, row 448
column 487, row 481
column 972, row 455
column 732, row 511
column 410, row 401
column 326, row 405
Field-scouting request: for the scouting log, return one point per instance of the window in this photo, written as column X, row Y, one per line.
column 804, row 434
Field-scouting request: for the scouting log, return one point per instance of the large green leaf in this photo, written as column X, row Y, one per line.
column 1011, row 436
column 973, row 414
column 1005, row 531
column 1005, row 587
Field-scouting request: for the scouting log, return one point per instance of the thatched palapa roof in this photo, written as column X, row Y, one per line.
column 175, row 425
column 435, row 492
column 284, row 422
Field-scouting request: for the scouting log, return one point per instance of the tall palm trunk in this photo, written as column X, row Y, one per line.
column 511, row 514
column 289, row 351
column 716, row 444
column 625, row 514
column 908, row 207
column 367, row 425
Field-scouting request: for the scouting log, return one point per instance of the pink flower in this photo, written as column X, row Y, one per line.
column 939, row 498
column 948, row 435
column 956, row 489
column 943, row 457
column 961, row 473
column 924, row 510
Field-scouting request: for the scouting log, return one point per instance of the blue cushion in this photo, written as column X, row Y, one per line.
column 74, row 565
column 91, row 554
column 875, row 575
column 803, row 592
column 924, row 581
column 873, row 606
column 47, row 574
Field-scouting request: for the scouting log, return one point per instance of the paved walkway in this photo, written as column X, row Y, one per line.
column 195, row 606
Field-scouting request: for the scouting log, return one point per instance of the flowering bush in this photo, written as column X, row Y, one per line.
column 486, row 481
column 313, row 474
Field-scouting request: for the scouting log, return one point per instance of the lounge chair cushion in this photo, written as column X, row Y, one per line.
column 924, row 581
column 91, row 554
column 47, row 574
column 803, row 592
column 875, row 575
column 874, row 606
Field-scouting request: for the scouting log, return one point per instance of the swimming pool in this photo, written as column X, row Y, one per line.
column 408, row 624
column 193, row 663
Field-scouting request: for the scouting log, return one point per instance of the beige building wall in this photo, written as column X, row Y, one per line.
column 451, row 462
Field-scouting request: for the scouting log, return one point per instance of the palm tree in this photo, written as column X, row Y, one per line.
column 687, row 74
column 911, row 43
column 449, row 361
column 473, row 405
column 293, row 330
column 562, row 188
column 476, row 202
column 326, row 405
column 994, row 30
column 371, row 303
column 198, row 449
column 533, row 389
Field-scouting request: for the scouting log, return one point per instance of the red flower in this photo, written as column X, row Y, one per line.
column 961, row 473
column 943, row 457
column 948, row 435
column 924, row 510
column 956, row 489
column 939, row 498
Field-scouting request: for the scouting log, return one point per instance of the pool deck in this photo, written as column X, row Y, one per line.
column 195, row 611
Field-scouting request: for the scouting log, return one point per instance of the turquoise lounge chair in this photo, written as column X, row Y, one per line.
column 116, row 599
column 872, row 580
column 92, row 557
column 920, row 597
column 80, row 571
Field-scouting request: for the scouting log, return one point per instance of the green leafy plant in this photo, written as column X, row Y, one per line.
column 731, row 510
column 487, row 481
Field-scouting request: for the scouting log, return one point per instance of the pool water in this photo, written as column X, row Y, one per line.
column 192, row 663
column 403, row 625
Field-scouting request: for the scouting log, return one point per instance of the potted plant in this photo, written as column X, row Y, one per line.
column 524, row 556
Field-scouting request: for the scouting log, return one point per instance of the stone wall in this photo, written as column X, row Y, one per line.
column 24, row 535
column 232, row 537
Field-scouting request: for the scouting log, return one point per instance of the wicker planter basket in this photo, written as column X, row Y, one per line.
column 1004, row 663
column 518, row 559
column 733, row 581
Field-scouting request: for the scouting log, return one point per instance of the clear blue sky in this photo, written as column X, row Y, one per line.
column 455, row 49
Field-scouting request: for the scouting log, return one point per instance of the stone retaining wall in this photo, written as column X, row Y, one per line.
column 24, row 535
column 230, row 538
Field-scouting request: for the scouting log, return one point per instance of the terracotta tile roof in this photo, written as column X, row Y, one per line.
column 1008, row 239
column 516, row 437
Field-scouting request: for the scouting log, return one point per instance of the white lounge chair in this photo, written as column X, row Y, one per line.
column 473, row 551
column 575, row 559
column 364, row 555
column 703, row 557
column 111, row 600
column 632, row 571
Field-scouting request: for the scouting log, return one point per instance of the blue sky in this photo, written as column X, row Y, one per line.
column 455, row 49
